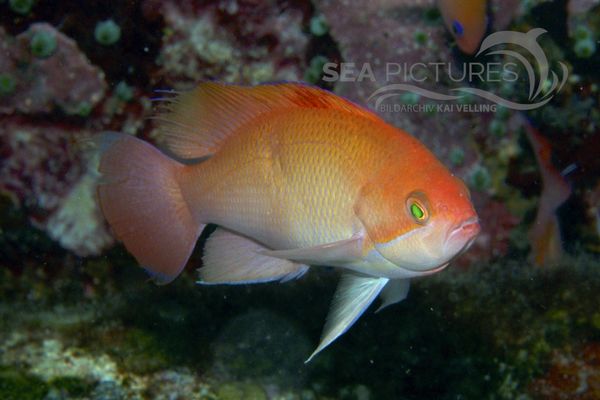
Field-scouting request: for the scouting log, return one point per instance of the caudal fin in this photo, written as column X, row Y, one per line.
column 141, row 198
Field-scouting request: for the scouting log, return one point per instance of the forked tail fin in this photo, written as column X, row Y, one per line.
column 141, row 198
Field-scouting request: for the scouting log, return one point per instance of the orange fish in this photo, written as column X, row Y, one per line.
column 545, row 237
column 293, row 176
column 466, row 20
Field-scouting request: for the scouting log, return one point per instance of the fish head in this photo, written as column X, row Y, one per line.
column 467, row 22
column 420, row 228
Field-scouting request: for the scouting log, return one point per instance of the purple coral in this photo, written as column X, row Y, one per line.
column 42, row 169
column 65, row 78
column 43, row 172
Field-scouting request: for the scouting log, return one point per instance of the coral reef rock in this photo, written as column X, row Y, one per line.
column 43, row 171
column 65, row 78
column 233, row 41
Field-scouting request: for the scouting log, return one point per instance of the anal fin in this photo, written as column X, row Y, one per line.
column 231, row 258
column 352, row 297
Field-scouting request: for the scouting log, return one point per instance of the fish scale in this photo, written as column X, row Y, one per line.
column 296, row 177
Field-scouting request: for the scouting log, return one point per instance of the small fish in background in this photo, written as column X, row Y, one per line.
column 467, row 21
column 293, row 176
column 544, row 235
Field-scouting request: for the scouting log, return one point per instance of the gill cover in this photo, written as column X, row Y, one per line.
column 400, row 224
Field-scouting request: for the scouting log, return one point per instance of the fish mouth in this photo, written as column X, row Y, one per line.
column 457, row 242
column 440, row 247
column 469, row 227
column 462, row 237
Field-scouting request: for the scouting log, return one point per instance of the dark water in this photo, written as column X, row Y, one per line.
column 517, row 316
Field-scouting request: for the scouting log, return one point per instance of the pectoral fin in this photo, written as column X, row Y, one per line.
column 332, row 254
column 352, row 297
column 394, row 292
column 234, row 259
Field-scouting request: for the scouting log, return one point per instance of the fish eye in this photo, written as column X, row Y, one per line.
column 417, row 209
column 457, row 28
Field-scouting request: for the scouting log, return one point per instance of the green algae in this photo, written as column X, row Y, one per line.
column 124, row 92
column 83, row 109
column 138, row 351
column 75, row 387
column 432, row 15
column 318, row 25
column 480, row 179
column 7, row 84
column 240, row 391
column 420, row 37
column 410, row 98
column 585, row 48
column 498, row 128
column 503, row 113
column 466, row 98
column 43, row 44
column 595, row 320
column 107, row 32
column 582, row 32
column 457, row 156
column 22, row 7
column 15, row 385
column 314, row 72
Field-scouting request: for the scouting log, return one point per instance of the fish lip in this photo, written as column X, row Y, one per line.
column 469, row 221
column 458, row 233
column 473, row 220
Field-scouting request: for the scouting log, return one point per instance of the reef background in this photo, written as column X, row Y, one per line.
column 80, row 321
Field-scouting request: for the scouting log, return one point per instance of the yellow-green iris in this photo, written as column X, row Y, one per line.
column 417, row 211
column 417, row 207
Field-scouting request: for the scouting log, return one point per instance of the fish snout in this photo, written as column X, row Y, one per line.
column 469, row 228
column 463, row 235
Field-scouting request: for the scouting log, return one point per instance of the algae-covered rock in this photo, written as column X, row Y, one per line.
column 15, row 385
column 264, row 346
column 496, row 329
column 240, row 391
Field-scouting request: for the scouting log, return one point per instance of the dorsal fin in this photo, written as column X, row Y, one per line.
column 195, row 123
